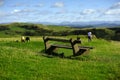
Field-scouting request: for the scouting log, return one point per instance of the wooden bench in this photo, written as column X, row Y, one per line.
column 77, row 50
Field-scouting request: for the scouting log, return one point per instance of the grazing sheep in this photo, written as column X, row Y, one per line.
column 22, row 39
column 27, row 39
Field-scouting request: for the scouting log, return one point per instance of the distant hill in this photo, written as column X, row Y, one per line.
column 30, row 29
column 92, row 24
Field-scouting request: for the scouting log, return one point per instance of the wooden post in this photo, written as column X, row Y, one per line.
column 46, row 43
column 48, row 48
column 74, row 47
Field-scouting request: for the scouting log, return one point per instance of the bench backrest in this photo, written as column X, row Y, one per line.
column 55, row 39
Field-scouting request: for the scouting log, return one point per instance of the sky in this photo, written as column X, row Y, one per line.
column 58, row 11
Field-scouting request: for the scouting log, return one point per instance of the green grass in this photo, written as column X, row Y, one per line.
column 60, row 28
column 26, row 61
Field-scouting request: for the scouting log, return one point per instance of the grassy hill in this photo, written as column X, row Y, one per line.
column 27, row 61
column 29, row 29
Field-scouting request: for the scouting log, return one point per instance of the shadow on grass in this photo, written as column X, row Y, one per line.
column 53, row 54
column 61, row 55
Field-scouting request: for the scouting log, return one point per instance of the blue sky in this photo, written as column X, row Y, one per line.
column 59, row 10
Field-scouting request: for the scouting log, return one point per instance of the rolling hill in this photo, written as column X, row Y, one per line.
column 30, row 29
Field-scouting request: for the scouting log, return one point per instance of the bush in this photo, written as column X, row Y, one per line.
column 29, row 33
column 2, row 28
column 117, row 37
column 104, row 33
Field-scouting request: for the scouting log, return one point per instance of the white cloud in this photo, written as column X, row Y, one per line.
column 17, row 5
column 87, row 11
column 39, row 5
column 63, row 11
column 115, row 6
column 2, row 14
column 58, row 4
column 16, row 11
column 21, row 11
column 44, row 12
column 113, row 12
column 20, row 5
column 1, row 2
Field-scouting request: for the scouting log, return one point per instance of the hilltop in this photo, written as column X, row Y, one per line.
column 30, row 29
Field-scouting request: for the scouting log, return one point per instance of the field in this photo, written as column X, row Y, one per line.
column 27, row 61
